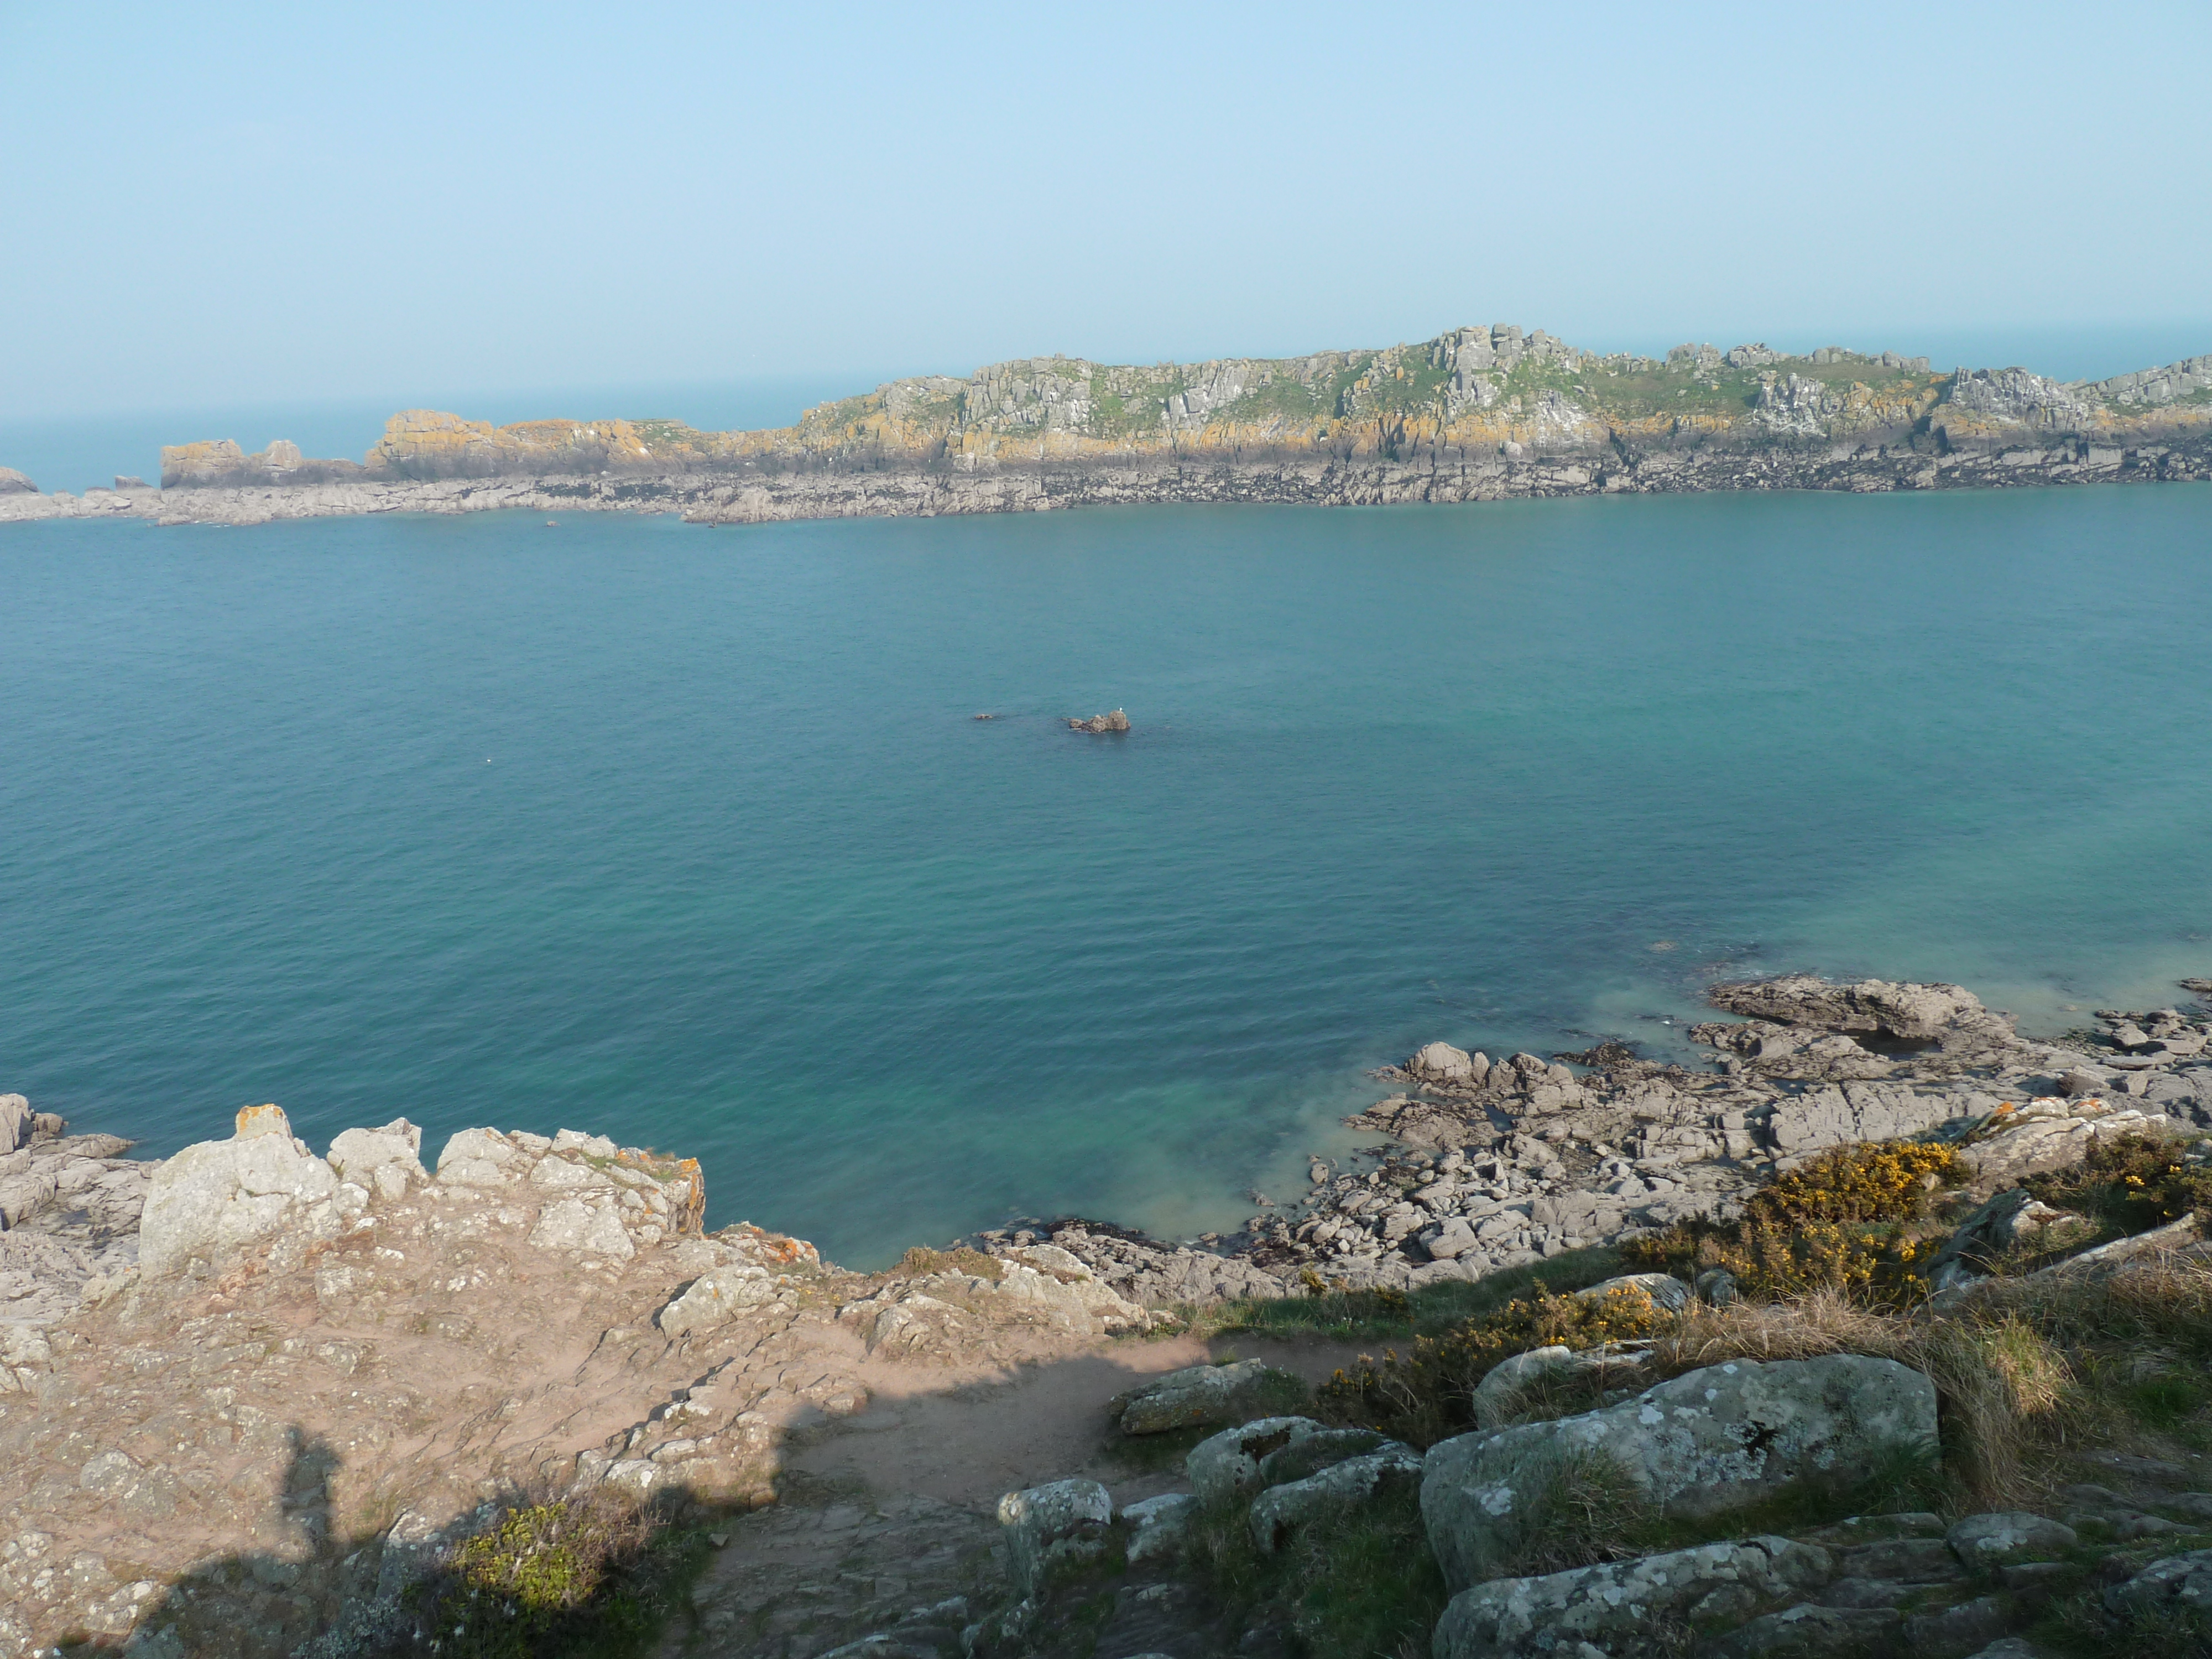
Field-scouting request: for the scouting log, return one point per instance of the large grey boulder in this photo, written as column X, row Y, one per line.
column 1706, row 1442
column 1227, row 1465
column 1625, row 1609
column 1668, row 1293
column 1809, row 1631
column 1047, row 1526
column 215, row 1197
column 1203, row 1395
column 384, row 1159
column 1446, row 1064
column 1504, row 1384
column 1281, row 1512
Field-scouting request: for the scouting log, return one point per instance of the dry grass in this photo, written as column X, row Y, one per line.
column 2029, row 1371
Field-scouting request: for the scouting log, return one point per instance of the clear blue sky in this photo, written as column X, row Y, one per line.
column 221, row 205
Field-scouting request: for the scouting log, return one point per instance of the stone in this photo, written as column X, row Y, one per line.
column 575, row 1227
column 1114, row 721
column 14, row 1123
column 1314, row 1452
column 1045, row 1527
column 2178, row 1583
column 1158, row 1526
column 1498, row 1393
column 1967, row 1625
column 1623, row 1609
column 1809, row 1631
column 1985, row 1541
column 1442, row 1061
column 714, row 1298
column 13, row 483
column 1227, row 1465
column 2007, row 1647
column 482, row 1157
column 386, row 1159
column 1280, row 1510
column 1704, row 1443
column 1203, row 1395
column 215, row 1196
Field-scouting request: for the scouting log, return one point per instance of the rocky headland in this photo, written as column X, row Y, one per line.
column 1476, row 414
column 257, row 1400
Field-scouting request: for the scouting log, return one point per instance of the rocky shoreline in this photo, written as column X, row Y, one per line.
column 1473, row 415
column 248, row 1389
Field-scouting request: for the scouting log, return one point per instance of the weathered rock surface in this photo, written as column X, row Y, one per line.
column 1047, row 1526
column 1114, row 720
column 217, row 1196
column 1704, row 1442
column 13, row 483
column 1227, row 1465
column 1281, row 1511
column 1204, row 1395
column 1625, row 1609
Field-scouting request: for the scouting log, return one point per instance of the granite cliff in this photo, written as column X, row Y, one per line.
column 1474, row 414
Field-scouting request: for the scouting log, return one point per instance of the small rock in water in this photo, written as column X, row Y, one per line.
column 1115, row 721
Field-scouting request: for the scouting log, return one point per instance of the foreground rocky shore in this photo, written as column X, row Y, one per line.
column 1473, row 415
column 249, row 1395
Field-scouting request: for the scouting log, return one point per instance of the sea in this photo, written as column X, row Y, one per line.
column 697, row 838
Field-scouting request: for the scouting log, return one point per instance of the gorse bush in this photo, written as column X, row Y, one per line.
column 2129, row 1184
column 1850, row 1220
column 1426, row 1392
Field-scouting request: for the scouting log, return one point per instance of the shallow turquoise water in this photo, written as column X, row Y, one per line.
column 687, row 836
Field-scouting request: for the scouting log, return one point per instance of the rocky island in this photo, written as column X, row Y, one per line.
column 1475, row 414
column 1884, row 1328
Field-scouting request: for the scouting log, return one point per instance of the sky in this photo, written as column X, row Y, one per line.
column 251, row 205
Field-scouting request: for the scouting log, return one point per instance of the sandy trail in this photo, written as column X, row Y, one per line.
column 893, row 1509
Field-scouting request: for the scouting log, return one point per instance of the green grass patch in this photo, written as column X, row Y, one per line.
column 1361, row 1584
column 1349, row 1316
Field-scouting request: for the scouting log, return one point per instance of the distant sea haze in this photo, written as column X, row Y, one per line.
column 691, row 837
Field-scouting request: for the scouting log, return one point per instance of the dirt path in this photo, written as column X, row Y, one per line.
column 889, row 1515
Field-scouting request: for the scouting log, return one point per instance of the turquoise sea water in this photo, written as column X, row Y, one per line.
column 688, row 836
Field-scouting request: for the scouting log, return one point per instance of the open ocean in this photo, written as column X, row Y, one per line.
column 689, row 837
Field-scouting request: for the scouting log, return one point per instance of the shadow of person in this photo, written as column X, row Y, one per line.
column 253, row 1602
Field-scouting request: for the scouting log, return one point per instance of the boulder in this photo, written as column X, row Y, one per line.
column 1158, row 1526
column 1114, row 721
column 1045, row 1527
column 1706, row 1442
column 1281, row 1511
column 483, row 1157
column 1990, row 1540
column 1315, row 1452
column 2178, row 1584
column 715, row 1298
column 1203, row 1395
column 15, row 1117
column 214, row 1197
column 1447, row 1064
column 1625, row 1609
column 13, row 483
column 1504, row 1384
column 384, row 1159
column 1227, row 1465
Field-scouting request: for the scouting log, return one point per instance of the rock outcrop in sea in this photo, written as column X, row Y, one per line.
column 1475, row 414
